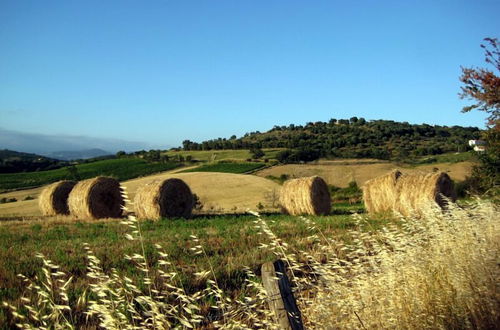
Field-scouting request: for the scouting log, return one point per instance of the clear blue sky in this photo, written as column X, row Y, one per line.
column 165, row 71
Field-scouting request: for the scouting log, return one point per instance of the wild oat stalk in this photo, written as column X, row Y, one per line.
column 49, row 309
column 439, row 271
column 121, row 304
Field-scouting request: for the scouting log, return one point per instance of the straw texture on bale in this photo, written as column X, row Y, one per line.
column 53, row 200
column 305, row 196
column 96, row 198
column 416, row 192
column 379, row 194
column 170, row 198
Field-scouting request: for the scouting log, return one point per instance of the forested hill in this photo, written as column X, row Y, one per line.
column 13, row 161
column 352, row 138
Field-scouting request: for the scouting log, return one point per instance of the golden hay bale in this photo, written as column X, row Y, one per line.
column 96, row 198
column 305, row 196
column 53, row 199
column 164, row 198
column 419, row 191
column 379, row 194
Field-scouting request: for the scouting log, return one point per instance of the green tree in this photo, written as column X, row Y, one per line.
column 120, row 154
column 257, row 153
column 73, row 172
column 483, row 87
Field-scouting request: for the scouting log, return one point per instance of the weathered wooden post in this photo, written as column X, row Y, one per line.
column 281, row 299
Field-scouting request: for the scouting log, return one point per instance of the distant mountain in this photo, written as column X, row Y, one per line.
column 13, row 161
column 82, row 154
column 6, row 154
column 46, row 144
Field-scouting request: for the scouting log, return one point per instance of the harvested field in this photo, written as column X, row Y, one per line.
column 341, row 175
column 246, row 191
column 219, row 192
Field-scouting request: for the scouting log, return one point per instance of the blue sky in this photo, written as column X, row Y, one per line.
column 165, row 71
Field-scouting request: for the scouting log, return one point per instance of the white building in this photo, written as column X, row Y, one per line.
column 473, row 143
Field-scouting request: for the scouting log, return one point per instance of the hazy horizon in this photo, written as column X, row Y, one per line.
column 46, row 143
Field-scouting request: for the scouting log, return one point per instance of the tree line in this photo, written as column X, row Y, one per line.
column 352, row 138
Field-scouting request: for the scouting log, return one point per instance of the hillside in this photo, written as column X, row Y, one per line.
column 13, row 161
column 122, row 169
column 220, row 155
column 352, row 138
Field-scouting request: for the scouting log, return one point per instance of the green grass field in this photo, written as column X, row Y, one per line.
column 218, row 155
column 446, row 158
column 237, row 168
column 231, row 243
column 121, row 169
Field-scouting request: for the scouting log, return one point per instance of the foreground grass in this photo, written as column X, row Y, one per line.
column 231, row 243
column 121, row 169
column 437, row 272
column 349, row 272
column 237, row 168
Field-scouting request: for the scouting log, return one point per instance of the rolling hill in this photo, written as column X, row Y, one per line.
column 13, row 161
column 352, row 138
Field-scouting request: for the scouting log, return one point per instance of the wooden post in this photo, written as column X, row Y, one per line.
column 281, row 299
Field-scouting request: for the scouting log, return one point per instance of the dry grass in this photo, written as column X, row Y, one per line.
column 221, row 192
column 305, row 196
column 160, row 199
column 341, row 173
column 96, row 198
column 437, row 273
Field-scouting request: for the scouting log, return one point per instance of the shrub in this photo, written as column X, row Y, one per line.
column 4, row 200
column 351, row 192
column 257, row 153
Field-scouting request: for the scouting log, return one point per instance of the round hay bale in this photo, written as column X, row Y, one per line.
column 419, row 191
column 53, row 200
column 164, row 199
column 379, row 194
column 96, row 198
column 306, row 196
